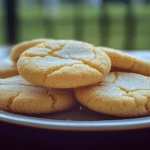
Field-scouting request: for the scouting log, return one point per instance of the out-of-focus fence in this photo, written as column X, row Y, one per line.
column 124, row 30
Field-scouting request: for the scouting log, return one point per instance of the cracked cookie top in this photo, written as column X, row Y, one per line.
column 19, row 96
column 18, row 49
column 63, row 64
column 118, row 94
column 125, row 62
column 8, row 68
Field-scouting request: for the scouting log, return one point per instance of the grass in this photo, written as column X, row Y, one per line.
column 32, row 26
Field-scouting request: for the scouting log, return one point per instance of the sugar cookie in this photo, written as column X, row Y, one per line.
column 19, row 96
column 7, row 68
column 19, row 48
column 125, row 62
column 63, row 64
column 118, row 94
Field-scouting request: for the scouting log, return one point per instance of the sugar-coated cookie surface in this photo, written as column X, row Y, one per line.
column 118, row 94
column 8, row 68
column 19, row 96
column 19, row 48
column 63, row 64
column 125, row 62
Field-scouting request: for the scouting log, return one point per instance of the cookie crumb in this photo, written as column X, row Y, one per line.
column 80, row 108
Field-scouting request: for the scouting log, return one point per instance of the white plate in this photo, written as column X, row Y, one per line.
column 78, row 118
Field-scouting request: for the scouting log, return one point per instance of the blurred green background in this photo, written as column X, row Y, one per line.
column 115, row 25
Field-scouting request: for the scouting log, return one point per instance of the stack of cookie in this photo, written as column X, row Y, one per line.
column 54, row 74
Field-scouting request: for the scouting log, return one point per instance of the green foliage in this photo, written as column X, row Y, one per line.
column 88, row 24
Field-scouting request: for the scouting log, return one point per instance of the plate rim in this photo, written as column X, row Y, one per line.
column 71, row 125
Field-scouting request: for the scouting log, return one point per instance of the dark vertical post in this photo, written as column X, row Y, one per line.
column 11, row 20
column 104, row 24
column 130, row 29
column 78, row 20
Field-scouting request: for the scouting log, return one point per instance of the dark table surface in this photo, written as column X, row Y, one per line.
column 22, row 137
column 19, row 137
